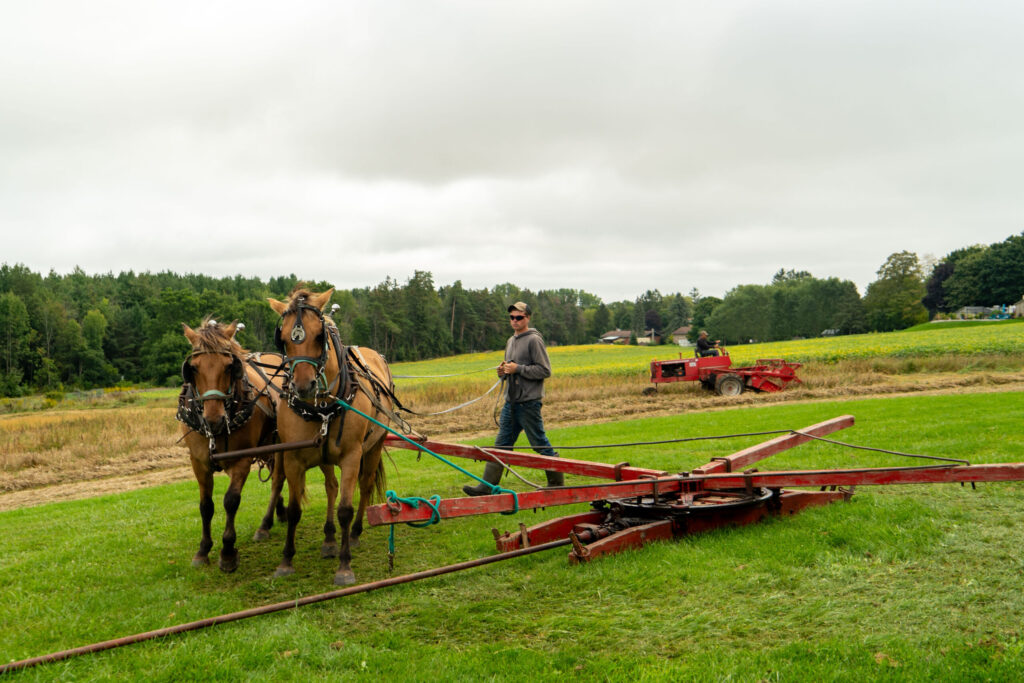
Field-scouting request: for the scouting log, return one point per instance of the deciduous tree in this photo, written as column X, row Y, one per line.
column 893, row 301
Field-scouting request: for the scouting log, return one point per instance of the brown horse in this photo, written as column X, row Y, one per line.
column 227, row 403
column 320, row 371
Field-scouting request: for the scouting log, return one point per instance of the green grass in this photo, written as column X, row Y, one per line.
column 951, row 324
column 910, row 582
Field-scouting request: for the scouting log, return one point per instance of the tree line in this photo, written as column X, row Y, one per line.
column 82, row 331
column 77, row 330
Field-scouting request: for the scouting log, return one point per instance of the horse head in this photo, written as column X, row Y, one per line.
column 214, row 369
column 301, row 337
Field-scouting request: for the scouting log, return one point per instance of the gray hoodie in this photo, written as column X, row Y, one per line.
column 528, row 352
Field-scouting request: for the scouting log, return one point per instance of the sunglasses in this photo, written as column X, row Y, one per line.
column 516, row 317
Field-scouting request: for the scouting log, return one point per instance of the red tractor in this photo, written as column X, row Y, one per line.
column 717, row 374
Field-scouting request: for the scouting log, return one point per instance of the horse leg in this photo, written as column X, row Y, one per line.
column 349, row 474
column 330, row 546
column 296, row 475
column 282, row 511
column 239, row 472
column 276, row 501
column 204, row 476
column 367, row 483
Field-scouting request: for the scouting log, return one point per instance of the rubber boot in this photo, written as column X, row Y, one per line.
column 555, row 478
column 492, row 475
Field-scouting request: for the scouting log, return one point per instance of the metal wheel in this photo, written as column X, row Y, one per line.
column 729, row 385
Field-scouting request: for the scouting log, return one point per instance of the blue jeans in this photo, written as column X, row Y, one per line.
column 519, row 417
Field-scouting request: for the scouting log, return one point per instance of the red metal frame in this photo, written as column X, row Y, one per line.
column 767, row 374
column 640, row 504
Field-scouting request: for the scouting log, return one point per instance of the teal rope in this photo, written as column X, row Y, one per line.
column 495, row 488
column 413, row 502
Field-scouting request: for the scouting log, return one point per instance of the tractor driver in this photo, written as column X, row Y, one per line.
column 705, row 347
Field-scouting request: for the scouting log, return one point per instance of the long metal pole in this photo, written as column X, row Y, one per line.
column 277, row 607
column 263, row 450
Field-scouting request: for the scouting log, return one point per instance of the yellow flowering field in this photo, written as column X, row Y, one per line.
column 604, row 359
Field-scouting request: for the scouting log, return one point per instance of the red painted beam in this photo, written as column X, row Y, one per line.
column 532, row 460
column 628, row 539
column 464, row 507
column 876, row 476
column 742, row 459
column 544, row 532
column 566, row 495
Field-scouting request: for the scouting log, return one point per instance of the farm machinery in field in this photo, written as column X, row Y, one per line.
column 640, row 505
column 716, row 373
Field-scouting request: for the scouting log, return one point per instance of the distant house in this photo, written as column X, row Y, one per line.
column 650, row 338
column 617, row 337
column 970, row 312
column 679, row 336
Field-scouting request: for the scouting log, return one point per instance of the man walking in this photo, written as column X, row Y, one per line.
column 524, row 370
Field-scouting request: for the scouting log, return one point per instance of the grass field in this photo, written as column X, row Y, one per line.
column 1005, row 337
column 902, row 583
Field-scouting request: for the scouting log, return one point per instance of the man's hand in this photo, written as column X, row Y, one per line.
column 507, row 368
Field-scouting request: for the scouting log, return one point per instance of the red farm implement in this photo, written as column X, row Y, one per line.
column 640, row 505
column 717, row 374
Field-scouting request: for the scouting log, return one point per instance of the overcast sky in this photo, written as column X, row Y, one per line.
column 607, row 146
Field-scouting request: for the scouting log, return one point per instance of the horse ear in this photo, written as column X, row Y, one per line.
column 279, row 306
column 188, row 372
column 320, row 300
column 230, row 330
column 190, row 334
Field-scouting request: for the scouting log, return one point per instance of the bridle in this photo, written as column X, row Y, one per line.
column 237, row 373
column 331, row 397
column 298, row 335
column 238, row 402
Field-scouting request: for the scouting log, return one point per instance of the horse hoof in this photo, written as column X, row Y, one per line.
column 200, row 561
column 344, row 578
column 283, row 571
column 353, row 542
column 261, row 535
column 229, row 564
column 328, row 550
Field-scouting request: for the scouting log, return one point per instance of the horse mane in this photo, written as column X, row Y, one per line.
column 300, row 293
column 212, row 339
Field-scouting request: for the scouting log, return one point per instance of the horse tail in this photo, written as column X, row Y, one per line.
column 380, row 481
column 380, row 477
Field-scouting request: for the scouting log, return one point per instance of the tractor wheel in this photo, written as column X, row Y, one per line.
column 729, row 385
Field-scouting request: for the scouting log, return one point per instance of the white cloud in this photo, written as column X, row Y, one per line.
column 592, row 145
